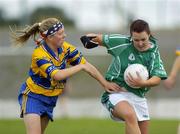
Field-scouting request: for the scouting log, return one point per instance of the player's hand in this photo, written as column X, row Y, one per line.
column 89, row 41
column 136, row 82
column 112, row 87
column 92, row 36
column 169, row 82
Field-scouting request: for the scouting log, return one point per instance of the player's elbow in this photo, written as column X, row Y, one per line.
column 58, row 76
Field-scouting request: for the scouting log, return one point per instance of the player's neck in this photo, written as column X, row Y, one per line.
column 52, row 47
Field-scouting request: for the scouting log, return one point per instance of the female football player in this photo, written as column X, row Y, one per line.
column 48, row 72
column 170, row 82
column 140, row 47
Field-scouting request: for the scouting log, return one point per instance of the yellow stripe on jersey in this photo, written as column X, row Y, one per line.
column 45, row 64
column 40, row 90
column 74, row 57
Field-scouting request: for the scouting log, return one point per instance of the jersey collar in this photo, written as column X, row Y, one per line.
column 50, row 51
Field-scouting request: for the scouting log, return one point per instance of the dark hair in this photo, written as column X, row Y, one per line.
column 139, row 26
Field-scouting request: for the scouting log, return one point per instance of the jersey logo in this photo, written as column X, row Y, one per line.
column 131, row 57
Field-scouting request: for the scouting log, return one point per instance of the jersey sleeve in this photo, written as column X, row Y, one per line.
column 74, row 57
column 113, row 41
column 157, row 68
column 178, row 51
column 45, row 66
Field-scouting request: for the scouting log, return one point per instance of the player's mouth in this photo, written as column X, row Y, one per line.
column 143, row 48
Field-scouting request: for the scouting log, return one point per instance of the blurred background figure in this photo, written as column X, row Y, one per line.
column 170, row 82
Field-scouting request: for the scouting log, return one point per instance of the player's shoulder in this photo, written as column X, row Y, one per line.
column 39, row 52
column 68, row 46
column 153, row 40
column 117, row 36
column 154, row 46
column 154, row 43
column 116, row 39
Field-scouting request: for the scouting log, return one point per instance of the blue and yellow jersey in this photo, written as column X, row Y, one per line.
column 45, row 64
column 178, row 51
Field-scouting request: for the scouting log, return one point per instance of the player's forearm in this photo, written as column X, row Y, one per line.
column 65, row 73
column 96, row 74
column 153, row 81
column 175, row 68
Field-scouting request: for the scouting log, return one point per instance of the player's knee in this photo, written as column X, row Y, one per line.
column 34, row 132
column 130, row 117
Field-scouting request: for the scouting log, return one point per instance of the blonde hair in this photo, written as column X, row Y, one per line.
column 21, row 36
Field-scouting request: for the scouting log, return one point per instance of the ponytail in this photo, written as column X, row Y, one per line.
column 20, row 37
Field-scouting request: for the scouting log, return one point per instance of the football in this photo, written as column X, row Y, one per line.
column 133, row 69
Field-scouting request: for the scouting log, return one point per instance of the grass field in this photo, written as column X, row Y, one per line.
column 88, row 126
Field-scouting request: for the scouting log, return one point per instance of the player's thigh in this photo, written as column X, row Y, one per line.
column 44, row 123
column 125, row 111
column 32, row 123
column 143, row 125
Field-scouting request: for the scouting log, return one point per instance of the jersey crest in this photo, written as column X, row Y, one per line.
column 131, row 57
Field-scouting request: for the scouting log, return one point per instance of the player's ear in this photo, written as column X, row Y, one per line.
column 50, row 38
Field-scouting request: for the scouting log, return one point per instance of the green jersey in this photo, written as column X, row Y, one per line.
column 124, row 53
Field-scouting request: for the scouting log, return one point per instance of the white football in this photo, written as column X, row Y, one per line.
column 133, row 69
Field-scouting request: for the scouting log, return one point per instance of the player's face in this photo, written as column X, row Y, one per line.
column 141, row 40
column 58, row 38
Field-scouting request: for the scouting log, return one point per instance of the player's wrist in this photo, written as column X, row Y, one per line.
column 145, row 83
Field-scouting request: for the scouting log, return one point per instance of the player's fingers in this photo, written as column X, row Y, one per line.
column 91, row 35
column 110, row 91
column 138, row 75
column 115, row 89
column 129, row 78
column 132, row 83
column 119, row 89
column 116, row 86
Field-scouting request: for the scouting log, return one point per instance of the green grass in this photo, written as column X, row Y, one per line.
column 88, row 126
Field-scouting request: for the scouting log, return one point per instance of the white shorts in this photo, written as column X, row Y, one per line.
column 139, row 104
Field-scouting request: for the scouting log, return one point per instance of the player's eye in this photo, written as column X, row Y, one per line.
column 143, row 39
column 136, row 40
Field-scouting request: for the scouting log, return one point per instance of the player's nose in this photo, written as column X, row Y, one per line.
column 140, row 44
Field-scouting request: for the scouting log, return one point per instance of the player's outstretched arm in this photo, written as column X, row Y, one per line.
column 65, row 73
column 91, row 40
column 169, row 83
column 108, row 86
column 90, row 69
